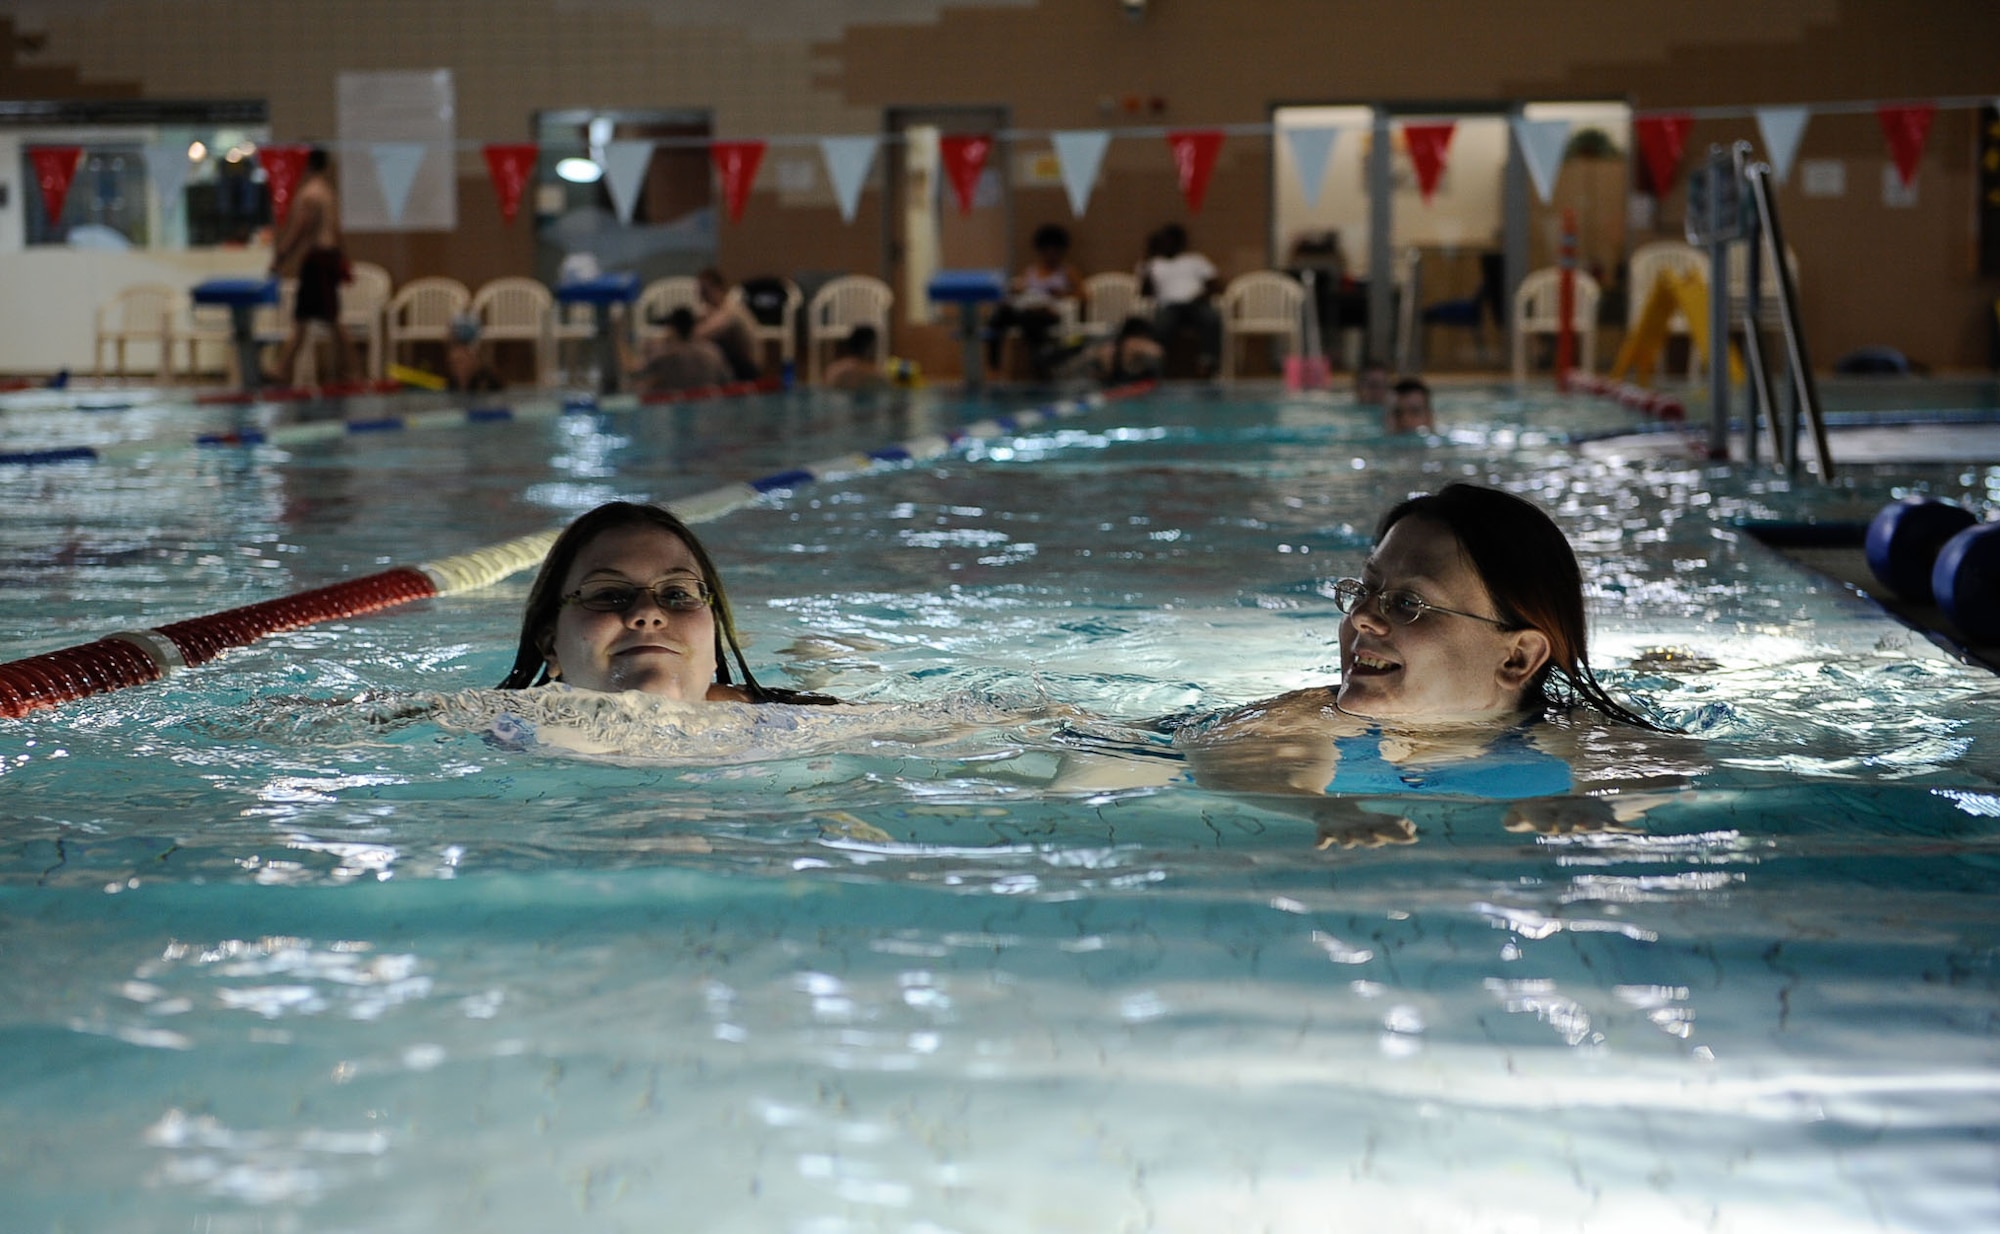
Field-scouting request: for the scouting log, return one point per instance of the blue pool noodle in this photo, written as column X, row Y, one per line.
column 1966, row 580
column 1904, row 539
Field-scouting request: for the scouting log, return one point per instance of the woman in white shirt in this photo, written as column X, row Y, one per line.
column 1183, row 286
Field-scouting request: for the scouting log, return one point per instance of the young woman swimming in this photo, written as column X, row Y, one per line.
column 628, row 599
column 1466, row 625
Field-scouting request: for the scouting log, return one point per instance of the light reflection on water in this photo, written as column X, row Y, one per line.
column 283, row 959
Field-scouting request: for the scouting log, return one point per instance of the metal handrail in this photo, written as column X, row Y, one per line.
column 1803, row 387
column 1717, row 219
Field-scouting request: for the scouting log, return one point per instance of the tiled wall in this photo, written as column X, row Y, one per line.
column 799, row 67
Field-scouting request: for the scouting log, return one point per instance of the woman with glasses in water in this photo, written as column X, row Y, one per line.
column 628, row 600
column 1465, row 627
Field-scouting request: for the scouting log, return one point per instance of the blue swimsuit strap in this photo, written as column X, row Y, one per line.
column 1509, row 769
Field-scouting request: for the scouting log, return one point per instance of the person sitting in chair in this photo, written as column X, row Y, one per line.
column 854, row 367
column 1036, row 299
column 1183, row 287
column 679, row 361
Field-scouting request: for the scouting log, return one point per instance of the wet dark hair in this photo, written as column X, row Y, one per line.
column 681, row 322
column 860, row 343
column 1051, row 236
column 1412, row 385
column 1530, row 570
column 538, row 620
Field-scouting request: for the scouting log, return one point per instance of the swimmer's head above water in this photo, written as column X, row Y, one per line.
column 628, row 599
column 1469, row 607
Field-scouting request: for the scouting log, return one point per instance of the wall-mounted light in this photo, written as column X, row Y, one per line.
column 196, row 152
column 1135, row 10
column 579, row 171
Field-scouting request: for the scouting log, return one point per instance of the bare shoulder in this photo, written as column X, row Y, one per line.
column 1299, row 711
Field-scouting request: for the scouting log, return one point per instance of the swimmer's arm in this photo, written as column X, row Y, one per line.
column 1577, row 814
column 1650, row 769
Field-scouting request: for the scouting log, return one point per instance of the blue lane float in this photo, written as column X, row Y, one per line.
column 1966, row 581
column 1904, row 540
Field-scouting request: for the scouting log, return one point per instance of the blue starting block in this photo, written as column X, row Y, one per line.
column 243, row 297
column 600, row 294
column 969, row 289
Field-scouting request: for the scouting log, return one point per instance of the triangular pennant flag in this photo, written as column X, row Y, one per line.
column 1195, row 151
column 847, row 163
column 1427, row 144
column 167, row 168
column 396, row 164
column 965, row 157
column 1781, row 128
column 510, row 165
column 1312, row 149
column 55, row 167
column 1906, row 126
column 624, row 172
column 283, row 165
column 1080, row 154
column 1541, row 143
column 736, row 162
column 1662, row 140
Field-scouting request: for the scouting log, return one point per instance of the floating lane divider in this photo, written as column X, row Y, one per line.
column 313, row 431
column 136, row 657
column 1639, row 398
column 327, row 431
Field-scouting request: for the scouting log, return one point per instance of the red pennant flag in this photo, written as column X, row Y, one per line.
column 510, row 166
column 1906, row 127
column 283, row 165
column 965, row 157
column 737, row 162
column 55, row 167
column 1194, row 161
column 1427, row 144
column 1662, row 140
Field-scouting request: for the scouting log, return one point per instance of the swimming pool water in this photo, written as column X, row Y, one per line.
column 274, row 964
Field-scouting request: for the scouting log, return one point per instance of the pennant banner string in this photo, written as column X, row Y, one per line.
column 1866, row 107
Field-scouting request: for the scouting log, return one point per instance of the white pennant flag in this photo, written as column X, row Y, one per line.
column 167, row 167
column 847, row 163
column 1311, row 149
column 1080, row 154
column 1781, row 128
column 624, row 172
column 396, row 164
column 1541, row 144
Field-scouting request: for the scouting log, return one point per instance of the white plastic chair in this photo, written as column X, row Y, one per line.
column 144, row 313
column 1648, row 263
column 785, row 332
column 207, row 331
column 661, row 297
column 574, row 323
column 361, row 303
column 1108, row 300
column 421, row 312
column 1537, row 310
column 1261, row 302
column 271, row 324
column 519, row 310
column 848, row 301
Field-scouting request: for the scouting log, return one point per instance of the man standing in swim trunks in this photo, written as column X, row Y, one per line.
column 309, row 249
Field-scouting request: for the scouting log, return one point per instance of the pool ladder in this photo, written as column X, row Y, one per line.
column 1730, row 202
